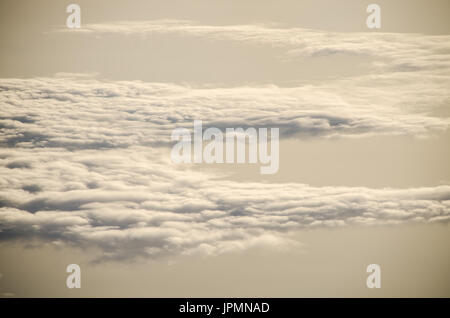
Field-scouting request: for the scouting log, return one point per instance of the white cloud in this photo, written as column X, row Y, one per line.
column 85, row 161
column 395, row 51
column 89, row 113
column 133, row 202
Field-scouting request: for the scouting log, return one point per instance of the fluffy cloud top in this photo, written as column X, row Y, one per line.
column 76, row 113
column 84, row 162
column 133, row 202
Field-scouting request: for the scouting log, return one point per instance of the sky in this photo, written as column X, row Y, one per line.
column 86, row 177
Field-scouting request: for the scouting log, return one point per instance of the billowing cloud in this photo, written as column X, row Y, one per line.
column 85, row 161
column 77, row 113
column 133, row 202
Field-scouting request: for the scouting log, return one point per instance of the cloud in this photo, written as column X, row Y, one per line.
column 85, row 161
column 133, row 202
column 394, row 51
column 79, row 113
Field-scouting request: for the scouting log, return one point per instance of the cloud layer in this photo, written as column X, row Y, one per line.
column 131, row 202
column 85, row 161
column 76, row 113
column 394, row 51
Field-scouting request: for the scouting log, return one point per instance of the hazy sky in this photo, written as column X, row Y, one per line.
column 85, row 172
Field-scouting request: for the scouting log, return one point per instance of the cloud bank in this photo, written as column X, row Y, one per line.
column 85, row 161
column 77, row 113
column 132, row 202
column 394, row 51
